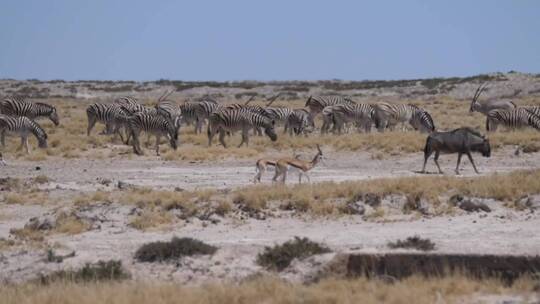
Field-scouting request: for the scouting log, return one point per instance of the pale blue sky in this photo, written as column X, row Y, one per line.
column 266, row 40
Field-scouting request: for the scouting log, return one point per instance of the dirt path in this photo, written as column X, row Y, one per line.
column 82, row 174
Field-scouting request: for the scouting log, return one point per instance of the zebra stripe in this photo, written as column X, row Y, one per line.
column 112, row 115
column 236, row 120
column 422, row 120
column 17, row 106
column 151, row 124
column 22, row 126
column 318, row 103
column 514, row 119
column 169, row 110
column 300, row 121
column 361, row 114
column 389, row 115
column 130, row 104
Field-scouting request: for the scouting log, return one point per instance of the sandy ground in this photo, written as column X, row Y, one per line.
column 503, row 231
column 80, row 174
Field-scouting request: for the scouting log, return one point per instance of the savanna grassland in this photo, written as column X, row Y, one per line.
column 75, row 217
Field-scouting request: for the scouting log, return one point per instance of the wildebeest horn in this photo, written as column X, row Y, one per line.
column 165, row 95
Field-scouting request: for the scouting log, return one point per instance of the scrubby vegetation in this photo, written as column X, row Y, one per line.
column 280, row 257
column 413, row 242
column 101, row 271
column 172, row 250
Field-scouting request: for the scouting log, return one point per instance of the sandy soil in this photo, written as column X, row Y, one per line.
column 503, row 231
column 151, row 171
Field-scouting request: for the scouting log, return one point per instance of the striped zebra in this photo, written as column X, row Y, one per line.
column 300, row 121
column 278, row 114
column 512, row 119
column 22, row 126
column 238, row 120
column 389, row 115
column 203, row 110
column 113, row 116
column 189, row 114
column 318, row 103
column 17, row 106
column 169, row 110
column 151, row 124
column 533, row 109
column 362, row 115
column 130, row 104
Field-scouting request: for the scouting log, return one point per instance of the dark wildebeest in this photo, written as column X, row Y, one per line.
column 461, row 141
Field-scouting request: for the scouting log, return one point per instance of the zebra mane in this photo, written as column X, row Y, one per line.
column 45, row 105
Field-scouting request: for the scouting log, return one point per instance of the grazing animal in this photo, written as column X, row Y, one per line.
column 316, row 104
column 151, row 124
column 460, row 141
column 112, row 115
column 238, row 120
column 302, row 167
column 490, row 105
column 512, row 119
column 300, row 121
column 360, row 114
column 203, row 110
column 22, row 126
column 16, row 106
column 389, row 115
column 279, row 115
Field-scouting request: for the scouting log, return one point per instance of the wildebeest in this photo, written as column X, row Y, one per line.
column 461, row 141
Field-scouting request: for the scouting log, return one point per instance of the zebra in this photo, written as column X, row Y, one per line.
column 22, row 126
column 389, row 115
column 169, row 110
column 533, row 109
column 235, row 120
column 151, row 124
column 189, row 115
column 113, row 116
column 318, row 103
column 279, row 115
column 130, row 104
column 300, row 121
column 361, row 114
column 203, row 110
column 516, row 118
column 17, row 106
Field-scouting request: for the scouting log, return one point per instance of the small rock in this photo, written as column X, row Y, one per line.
column 38, row 168
column 123, row 185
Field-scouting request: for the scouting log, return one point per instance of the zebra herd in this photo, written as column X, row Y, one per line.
column 127, row 118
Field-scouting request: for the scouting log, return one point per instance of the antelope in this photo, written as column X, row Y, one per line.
column 261, row 164
column 490, row 105
column 285, row 164
column 2, row 162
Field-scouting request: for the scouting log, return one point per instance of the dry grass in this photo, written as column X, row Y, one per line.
column 69, row 139
column 28, row 196
column 266, row 290
column 324, row 198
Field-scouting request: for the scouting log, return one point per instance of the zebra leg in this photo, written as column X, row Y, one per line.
column 91, row 123
column 458, row 162
column 472, row 162
column 24, row 142
column 436, row 160
column 210, row 132
column 135, row 142
column 222, row 137
column 245, row 137
column 158, row 137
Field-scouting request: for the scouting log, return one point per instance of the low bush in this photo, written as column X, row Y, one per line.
column 280, row 257
column 414, row 242
column 173, row 250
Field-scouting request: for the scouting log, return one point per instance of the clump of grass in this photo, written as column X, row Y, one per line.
column 111, row 270
column 5, row 243
column 280, row 257
column 150, row 218
column 70, row 224
column 414, row 242
column 14, row 198
column 173, row 250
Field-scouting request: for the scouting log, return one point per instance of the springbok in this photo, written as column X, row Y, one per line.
column 302, row 167
column 487, row 106
column 261, row 164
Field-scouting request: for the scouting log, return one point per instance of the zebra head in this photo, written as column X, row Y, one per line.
column 172, row 134
column 42, row 141
column 270, row 131
column 474, row 103
column 50, row 111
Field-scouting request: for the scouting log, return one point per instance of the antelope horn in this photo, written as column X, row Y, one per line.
column 479, row 91
column 319, row 148
column 249, row 100
column 272, row 99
